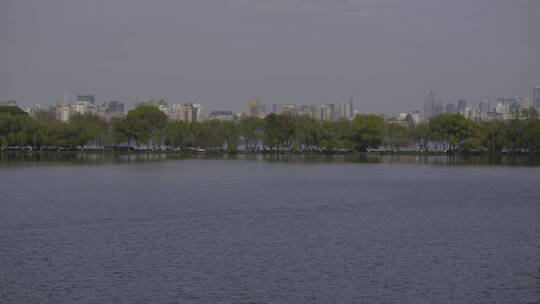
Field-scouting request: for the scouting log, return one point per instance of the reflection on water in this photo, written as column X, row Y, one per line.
column 104, row 158
column 159, row 228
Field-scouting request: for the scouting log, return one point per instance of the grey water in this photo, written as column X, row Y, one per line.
column 163, row 229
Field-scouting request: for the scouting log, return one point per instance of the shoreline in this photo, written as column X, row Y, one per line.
column 266, row 152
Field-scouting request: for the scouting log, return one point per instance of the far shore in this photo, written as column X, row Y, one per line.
column 265, row 152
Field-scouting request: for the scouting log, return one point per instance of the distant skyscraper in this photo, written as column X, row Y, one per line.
column 115, row 106
column 191, row 113
column 461, row 105
column 484, row 106
column 328, row 112
column 150, row 102
column 254, row 108
column 451, row 108
column 222, row 115
column 432, row 105
column 524, row 102
column 63, row 109
column 277, row 108
column 86, row 97
column 345, row 109
column 536, row 96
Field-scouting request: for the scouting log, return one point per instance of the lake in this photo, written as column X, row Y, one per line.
column 254, row 229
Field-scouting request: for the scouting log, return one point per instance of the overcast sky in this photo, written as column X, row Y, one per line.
column 385, row 54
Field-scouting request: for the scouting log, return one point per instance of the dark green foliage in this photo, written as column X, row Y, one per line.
column 396, row 136
column 145, row 125
column 367, row 132
column 148, row 127
column 252, row 130
column 12, row 110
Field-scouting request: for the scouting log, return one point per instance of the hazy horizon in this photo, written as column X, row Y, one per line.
column 384, row 54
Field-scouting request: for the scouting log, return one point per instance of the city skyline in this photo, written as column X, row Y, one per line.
column 131, row 103
column 302, row 52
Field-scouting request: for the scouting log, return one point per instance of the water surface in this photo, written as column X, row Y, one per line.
column 149, row 229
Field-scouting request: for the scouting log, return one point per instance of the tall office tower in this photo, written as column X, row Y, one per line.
column 198, row 112
column 314, row 112
column 493, row 106
column 484, row 106
column 328, row 112
column 289, row 109
column 451, row 108
column 524, row 102
column 86, row 97
column 438, row 109
column 345, row 109
column 190, row 113
column 115, row 106
column 254, row 108
column 536, row 97
column 81, row 107
column 432, row 105
column 63, row 109
column 150, row 102
column 277, row 108
column 461, row 105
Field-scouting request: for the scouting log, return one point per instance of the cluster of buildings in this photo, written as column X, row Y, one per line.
column 85, row 104
column 8, row 103
column 189, row 112
column 332, row 112
column 494, row 109
column 499, row 109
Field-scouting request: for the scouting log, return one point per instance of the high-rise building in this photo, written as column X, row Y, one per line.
column 277, row 108
column 524, row 102
column 199, row 112
column 81, row 107
column 484, row 106
column 254, row 108
column 150, row 102
column 504, row 107
column 451, row 108
column 86, row 97
column 222, row 115
column 432, row 105
column 63, row 109
column 461, row 105
column 492, row 106
column 536, row 96
column 328, row 112
column 190, row 113
column 345, row 109
column 114, row 106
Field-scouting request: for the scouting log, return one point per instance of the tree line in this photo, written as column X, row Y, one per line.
column 146, row 127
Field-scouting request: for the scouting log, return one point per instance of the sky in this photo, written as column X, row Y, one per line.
column 385, row 54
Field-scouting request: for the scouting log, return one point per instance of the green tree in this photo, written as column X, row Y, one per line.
column 278, row 131
column 176, row 133
column 145, row 123
column 252, row 131
column 368, row 131
column 120, row 131
column 396, row 136
column 422, row 136
column 451, row 130
column 206, row 135
column 494, row 134
column 230, row 132
column 88, row 128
